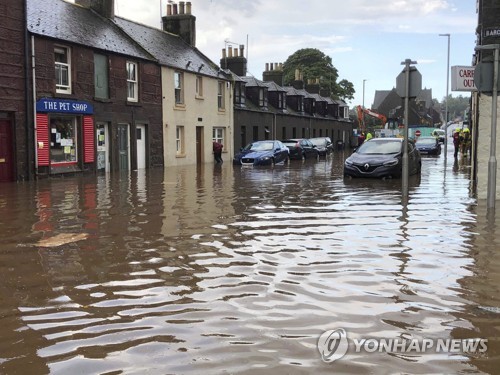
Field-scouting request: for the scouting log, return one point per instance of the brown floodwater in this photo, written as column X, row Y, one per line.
column 222, row 269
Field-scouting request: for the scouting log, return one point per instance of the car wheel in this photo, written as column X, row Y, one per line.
column 273, row 162
column 287, row 159
column 303, row 156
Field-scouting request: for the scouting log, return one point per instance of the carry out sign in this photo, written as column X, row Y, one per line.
column 462, row 78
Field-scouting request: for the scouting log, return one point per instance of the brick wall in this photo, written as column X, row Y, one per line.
column 12, row 80
column 116, row 110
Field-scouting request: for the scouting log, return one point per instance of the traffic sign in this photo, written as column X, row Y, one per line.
column 418, row 133
column 415, row 85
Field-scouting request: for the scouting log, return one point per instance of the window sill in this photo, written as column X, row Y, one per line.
column 199, row 97
column 180, row 156
column 133, row 104
column 102, row 100
column 180, row 107
column 221, row 111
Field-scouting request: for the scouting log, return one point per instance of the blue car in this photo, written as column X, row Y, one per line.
column 428, row 145
column 262, row 153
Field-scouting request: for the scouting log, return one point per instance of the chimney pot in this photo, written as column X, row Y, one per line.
column 169, row 9
column 174, row 6
column 223, row 53
column 188, row 7
column 181, row 7
column 230, row 51
column 267, row 67
column 242, row 48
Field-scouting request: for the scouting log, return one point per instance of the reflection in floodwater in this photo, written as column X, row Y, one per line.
column 224, row 269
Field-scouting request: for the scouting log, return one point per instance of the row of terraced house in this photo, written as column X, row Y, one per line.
column 83, row 90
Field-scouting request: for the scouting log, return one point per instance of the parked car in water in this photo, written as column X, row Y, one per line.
column 428, row 145
column 262, row 153
column 323, row 145
column 382, row 157
column 440, row 134
column 301, row 148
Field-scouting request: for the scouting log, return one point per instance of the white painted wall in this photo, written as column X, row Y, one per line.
column 188, row 116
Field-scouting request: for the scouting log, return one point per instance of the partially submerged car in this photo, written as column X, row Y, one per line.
column 382, row 157
column 428, row 145
column 440, row 134
column 262, row 153
column 301, row 148
column 323, row 145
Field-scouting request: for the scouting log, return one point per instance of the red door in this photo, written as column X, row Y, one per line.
column 6, row 159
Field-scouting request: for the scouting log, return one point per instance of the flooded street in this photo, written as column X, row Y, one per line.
column 223, row 269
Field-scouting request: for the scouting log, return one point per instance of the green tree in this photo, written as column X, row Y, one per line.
column 314, row 64
column 457, row 106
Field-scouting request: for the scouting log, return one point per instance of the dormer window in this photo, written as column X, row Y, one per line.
column 262, row 98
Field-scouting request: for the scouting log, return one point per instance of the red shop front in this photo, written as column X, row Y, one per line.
column 65, row 141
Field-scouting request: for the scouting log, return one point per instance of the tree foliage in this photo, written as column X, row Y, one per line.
column 457, row 107
column 314, row 64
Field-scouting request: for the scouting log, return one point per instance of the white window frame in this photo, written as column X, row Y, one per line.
column 218, row 135
column 199, row 86
column 221, row 105
column 132, row 82
column 179, row 88
column 60, row 67
column 179, row 140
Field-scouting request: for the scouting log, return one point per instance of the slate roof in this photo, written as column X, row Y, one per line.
column 380, row 96
column 169, row 49
column 72, row 23
column 273, row 86
column 319, row 98
column 292, row 91
column 253, row 82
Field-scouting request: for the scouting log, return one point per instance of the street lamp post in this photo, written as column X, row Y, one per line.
column 363, row 126
column 447, row 93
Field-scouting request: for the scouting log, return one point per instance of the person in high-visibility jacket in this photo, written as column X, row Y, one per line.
column 369, row 136
column 466, row 141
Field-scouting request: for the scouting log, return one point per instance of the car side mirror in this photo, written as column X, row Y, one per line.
column 314, row 146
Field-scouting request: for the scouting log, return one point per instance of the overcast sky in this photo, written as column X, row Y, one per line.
column 366, row 39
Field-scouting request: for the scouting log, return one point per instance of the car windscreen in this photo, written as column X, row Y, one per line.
column 318, row 141
column 380, row 147
column 259, row 146
column 426, row 141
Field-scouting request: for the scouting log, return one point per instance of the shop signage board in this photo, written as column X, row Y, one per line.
column 64, row 106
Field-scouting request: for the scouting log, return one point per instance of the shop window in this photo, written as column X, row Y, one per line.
column 132, row 82
column 63, row 70
column 63, row 140
column 179, row 88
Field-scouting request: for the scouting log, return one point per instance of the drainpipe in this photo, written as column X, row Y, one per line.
column 34, row 103
column 29, row 145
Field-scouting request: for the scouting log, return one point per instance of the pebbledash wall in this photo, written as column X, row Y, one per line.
column 488, row 32
column 483, row 147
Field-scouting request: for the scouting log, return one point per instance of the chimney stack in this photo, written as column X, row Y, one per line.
column 274, row 73
column 105, row 8
column 181, row 22
column 235, row 62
